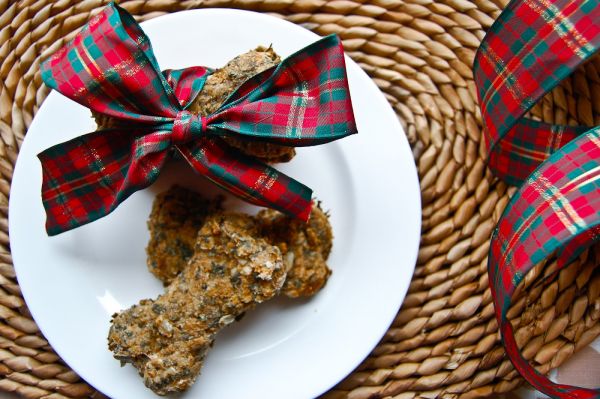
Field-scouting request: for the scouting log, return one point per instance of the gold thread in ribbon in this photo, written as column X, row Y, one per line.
column 562, row 207
column 567, row 30
column 266, row 181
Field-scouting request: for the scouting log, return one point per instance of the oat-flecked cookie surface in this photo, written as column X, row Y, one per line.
column 166, row 339
column 223, row 82
column 177, row 215
column 218, row 86
column 305, row 248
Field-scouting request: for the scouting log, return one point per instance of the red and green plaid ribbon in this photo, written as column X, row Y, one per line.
column 110, row 68
column 530, row 48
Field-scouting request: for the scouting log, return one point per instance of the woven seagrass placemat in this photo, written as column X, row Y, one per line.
column 444, row 341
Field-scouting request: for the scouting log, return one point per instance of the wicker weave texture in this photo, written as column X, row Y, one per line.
column 444, row 341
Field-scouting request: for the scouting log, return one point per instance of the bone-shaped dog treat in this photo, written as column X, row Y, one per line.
column 224, row 82
column 305, row 246
column 176, row 217
column 218, row 87
column 166, row 339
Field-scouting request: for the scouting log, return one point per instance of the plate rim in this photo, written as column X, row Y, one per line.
column 413, row 256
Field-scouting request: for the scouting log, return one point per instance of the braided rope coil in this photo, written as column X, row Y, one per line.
column 444, row 341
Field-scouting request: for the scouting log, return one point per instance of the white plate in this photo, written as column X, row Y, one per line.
column 285, row 348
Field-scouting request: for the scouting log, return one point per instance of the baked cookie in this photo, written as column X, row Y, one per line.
column 220, row 85
column 177, row 215
column 166, row 339
column 305, row 248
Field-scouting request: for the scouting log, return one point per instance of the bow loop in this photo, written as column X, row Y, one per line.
column 303, row 101
column 110, row 67
column 187, row 83
column 187, row 127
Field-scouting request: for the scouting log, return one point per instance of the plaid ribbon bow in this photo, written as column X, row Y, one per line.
column 530, row 48
column 110, row 68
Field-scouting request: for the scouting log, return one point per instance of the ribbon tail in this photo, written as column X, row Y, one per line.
column 247, row 178
column 87, row 177
column 526, row 145
column 558, row 210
